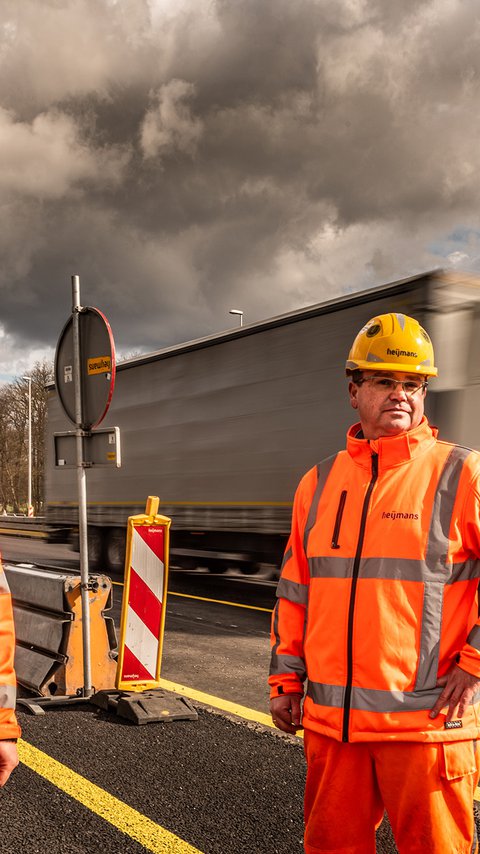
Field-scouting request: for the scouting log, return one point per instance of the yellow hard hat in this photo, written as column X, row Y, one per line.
column 392, row 342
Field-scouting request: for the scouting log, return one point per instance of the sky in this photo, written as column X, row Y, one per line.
column 189, row 157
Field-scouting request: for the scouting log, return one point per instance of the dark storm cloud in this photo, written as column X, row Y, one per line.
column 187, row 157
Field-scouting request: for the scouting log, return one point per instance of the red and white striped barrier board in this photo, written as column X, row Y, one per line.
column 144, row 601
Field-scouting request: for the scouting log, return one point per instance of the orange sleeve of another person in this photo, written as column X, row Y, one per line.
column 8, row 723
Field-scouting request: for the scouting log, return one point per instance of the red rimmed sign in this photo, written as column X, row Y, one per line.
column 97, row 367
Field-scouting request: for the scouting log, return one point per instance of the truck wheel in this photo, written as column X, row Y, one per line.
column 116, row 545
column 249, row 568
column 74, row 540
column 216, row 566
column 183, row 562
column 95, row 549
column 268, row 571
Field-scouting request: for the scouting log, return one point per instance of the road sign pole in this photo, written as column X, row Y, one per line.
column 82, row 490
column 84, row 379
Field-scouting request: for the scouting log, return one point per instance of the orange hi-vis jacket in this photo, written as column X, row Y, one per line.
column 8, row 722
column 378, row 592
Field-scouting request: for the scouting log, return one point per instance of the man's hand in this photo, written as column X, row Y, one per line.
column 8, row 760
column 285, row 711
column 459, row 689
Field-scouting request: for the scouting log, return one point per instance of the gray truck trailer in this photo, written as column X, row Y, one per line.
column 222, row 428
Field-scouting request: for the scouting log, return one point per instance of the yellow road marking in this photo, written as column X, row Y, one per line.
column 220, row 602
column 204, row 599
column 141, row 504
column 152, row 836
column 16, row 533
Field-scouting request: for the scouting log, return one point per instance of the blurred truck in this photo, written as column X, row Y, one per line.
column 222, row 428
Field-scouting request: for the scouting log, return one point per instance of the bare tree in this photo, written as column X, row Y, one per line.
column 13, row 440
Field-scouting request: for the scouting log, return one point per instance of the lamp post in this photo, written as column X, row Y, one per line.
column 29, row 501
column 238, row 313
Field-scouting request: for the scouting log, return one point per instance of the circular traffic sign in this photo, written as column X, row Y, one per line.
column 97, row 367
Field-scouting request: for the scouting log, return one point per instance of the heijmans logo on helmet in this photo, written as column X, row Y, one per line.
column 408, row 353
column 373, row 330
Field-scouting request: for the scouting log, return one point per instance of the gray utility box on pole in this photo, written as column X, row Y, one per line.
column 100, row 448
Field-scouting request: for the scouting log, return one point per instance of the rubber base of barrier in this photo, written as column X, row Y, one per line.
column 38, row 705
column 146, row 707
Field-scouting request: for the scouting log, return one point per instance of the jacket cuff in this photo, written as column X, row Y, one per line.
column 10, row 732
column 469, row 660
column 280, row 690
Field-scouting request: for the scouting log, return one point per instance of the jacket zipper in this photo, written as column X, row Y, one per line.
column 351, row 609
column 338, row 520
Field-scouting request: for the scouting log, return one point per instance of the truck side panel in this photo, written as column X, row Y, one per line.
column 223, row 432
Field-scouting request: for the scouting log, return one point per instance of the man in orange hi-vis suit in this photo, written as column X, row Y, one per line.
column 9, row 729
column 377, row 615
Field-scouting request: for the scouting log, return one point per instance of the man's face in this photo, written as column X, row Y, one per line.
column 384, row 411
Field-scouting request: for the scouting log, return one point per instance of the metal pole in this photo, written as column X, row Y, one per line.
column 29, row 499
column 29, row 445
column 82, row 490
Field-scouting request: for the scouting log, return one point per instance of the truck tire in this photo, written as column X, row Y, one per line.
column 115, row 550
column 74, row 540
column 218, row 567
column 96, row 560
column 249, row 568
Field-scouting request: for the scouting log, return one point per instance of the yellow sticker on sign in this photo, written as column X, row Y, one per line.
column 99, row 365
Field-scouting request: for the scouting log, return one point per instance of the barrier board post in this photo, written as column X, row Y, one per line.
column 138, row 696
column 144, row 600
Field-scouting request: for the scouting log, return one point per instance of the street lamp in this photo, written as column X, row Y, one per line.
column 29, row 501
column 238, row 313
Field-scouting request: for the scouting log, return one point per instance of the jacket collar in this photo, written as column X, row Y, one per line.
column 391, row 450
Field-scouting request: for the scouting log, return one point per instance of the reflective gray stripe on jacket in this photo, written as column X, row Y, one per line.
column 288, row 664
column 292, row 590
column 474, row 637
column 375, row 700
column 393, row 569
column 8, row 696
column 323, row 470
column 4, row 588
column 284, row 663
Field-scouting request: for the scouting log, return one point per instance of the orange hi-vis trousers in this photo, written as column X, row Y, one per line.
column 427, row 789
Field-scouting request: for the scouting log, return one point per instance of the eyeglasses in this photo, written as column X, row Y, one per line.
column 388, row 384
